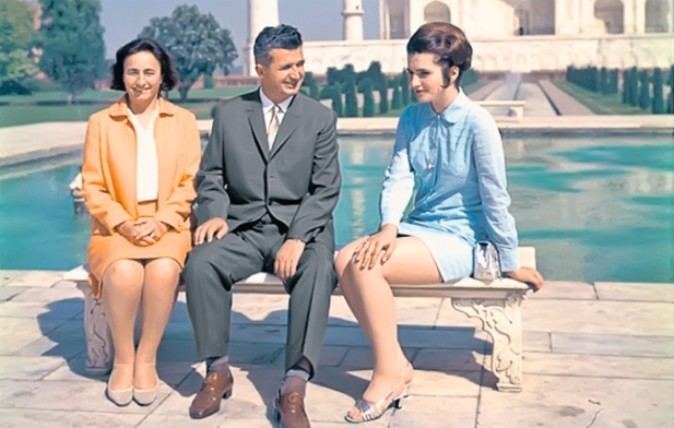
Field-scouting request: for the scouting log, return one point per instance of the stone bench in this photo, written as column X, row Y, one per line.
column 516, row 107
column 496, row 304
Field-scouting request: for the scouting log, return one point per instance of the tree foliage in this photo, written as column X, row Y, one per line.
column 196, row 42
column 17, row 36
column 71, row 39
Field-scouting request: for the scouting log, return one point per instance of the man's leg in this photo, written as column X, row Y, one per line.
column 310, row 290
column 210, row 272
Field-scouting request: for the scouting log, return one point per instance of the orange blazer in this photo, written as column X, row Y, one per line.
column 109, row 167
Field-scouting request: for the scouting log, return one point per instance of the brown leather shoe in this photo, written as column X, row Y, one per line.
column 290, row 410
column 218, row 385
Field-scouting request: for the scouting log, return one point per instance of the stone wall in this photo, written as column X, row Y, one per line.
column 518, row 54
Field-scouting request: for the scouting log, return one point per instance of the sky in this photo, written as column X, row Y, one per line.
column 316, row 19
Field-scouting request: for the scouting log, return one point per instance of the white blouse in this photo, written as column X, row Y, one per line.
column 147, row 169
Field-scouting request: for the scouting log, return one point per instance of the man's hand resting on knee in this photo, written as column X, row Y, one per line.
column 287, row 258
column 215, row 228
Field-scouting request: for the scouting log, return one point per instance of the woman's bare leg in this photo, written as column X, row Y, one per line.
column 370, row 297
column 122, row 285
column 158, row 298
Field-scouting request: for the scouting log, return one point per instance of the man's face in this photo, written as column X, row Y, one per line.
column 282, row 76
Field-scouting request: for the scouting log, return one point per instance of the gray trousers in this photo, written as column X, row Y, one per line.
column 212, row 268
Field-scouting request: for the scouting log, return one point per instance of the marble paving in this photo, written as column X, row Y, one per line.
column 599, row 355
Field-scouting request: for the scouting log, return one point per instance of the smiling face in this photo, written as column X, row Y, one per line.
column 281, row 76
column 426, row 78
column 142, row 76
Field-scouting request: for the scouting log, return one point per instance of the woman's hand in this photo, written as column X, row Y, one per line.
column 528, row 276
column 377, row 247
column 149, row 231
column 128, row 230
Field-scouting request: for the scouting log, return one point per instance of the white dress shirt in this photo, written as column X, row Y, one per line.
column 267, row 106
column 147, row 169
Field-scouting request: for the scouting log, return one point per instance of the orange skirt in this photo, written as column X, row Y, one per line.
column 103, row 250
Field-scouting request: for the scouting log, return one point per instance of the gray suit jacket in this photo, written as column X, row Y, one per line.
column 298, row 182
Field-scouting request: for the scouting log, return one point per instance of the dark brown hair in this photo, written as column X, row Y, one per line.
column 447, row 42
column 169, row 78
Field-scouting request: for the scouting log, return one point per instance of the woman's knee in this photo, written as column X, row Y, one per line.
column 164, row 270
column 344, row 256
column 124, row 273
column 342, row 261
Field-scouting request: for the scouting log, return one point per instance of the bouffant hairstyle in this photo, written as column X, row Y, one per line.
column 447, row 42
column 169, row 78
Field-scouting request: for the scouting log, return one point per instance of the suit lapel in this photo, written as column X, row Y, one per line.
column 256, row 122
column 288, row 126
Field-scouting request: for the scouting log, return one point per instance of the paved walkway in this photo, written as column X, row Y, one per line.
column 31, row 142
column 565, row 103
column 594, row 354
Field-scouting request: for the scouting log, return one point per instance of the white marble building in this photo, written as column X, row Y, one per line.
column 507, row 35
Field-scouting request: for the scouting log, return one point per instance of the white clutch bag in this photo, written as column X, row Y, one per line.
column 486, row 266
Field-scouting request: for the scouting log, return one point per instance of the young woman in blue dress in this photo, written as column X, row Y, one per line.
column 448, row 153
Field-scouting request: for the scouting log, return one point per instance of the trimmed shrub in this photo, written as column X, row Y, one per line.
column 365, row 88
column 658, row 93
column 405, row 89
column 397, row 102
column 350, row 99
column 644, row 91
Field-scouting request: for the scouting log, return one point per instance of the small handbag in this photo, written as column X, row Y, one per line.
column 486, row 265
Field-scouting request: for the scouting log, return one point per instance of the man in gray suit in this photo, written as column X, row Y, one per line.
column 267, row 186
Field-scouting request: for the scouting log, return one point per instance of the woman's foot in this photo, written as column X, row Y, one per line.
column 381, row 395
column 119, row 389
column 145, row 383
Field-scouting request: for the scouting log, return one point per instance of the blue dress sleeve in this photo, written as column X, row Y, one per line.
column 398, row 182
column 491, row 176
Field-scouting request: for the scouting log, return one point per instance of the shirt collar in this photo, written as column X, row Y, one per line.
column 453, row 112
column 267, row 104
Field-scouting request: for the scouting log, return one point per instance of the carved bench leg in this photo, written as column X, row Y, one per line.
column 97, row 334
column 502, row 319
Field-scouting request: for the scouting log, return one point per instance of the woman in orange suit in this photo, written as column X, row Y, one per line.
column 140, row 158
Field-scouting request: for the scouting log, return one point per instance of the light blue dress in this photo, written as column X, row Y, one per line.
column 454, row 161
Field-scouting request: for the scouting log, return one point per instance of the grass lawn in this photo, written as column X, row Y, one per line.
column 599, row 103
column 22, row 110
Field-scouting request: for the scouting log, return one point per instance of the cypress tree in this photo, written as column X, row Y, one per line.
column 658, row 99
column 594, row 79
column 383, row 94
column 625, row 86
column 337, row 104
column 670, row 99
column 634, row 87
column 405, row 89
column 368, row 100
column 603, row 81
column 397, row 101
column 644, row 91
column 311, row 86
column 614, row 81
column 350, row 99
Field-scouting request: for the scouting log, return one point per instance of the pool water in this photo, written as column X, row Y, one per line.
column 596, row 208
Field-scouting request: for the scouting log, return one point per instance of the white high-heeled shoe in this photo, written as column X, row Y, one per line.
column 365, row 411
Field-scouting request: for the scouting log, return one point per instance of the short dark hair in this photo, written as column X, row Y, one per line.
column 449, row 44
column 169, row 78
column 280, row 37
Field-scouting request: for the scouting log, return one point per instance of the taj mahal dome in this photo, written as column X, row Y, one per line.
column 520, row 36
